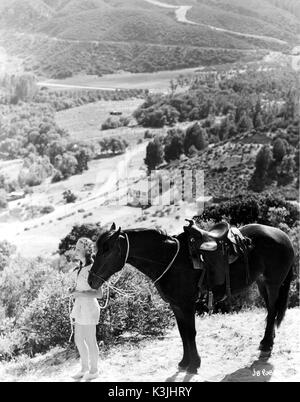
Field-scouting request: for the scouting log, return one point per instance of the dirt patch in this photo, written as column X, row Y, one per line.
column 227, row 345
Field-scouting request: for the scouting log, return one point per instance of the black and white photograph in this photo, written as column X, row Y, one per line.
column 149, row 194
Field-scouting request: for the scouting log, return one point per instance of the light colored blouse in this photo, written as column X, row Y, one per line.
column 86, row 311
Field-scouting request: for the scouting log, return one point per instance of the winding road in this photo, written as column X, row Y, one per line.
column 181, row 16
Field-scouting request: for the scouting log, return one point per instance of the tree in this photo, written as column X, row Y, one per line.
column 263, row 160
column 66, row 164
column 258, row 121
column 69, row 197
column 25, row 88
column 286, row 170
column 83, row 158
column 157, row 116
column 279, row 150
column 91, row 231
column 56, row 148
column 174, row 145
column 245, row 123
column 197, row 136
column 154, row 154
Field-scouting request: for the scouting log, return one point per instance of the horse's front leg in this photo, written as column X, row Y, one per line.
column 185, row 317
column 184, row 363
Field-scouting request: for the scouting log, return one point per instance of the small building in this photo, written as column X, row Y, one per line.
column 141, row 193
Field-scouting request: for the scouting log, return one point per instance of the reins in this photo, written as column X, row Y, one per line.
column 145, row 259
column 171, row 263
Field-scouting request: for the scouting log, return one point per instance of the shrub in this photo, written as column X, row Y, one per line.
column 195, row 136
column 90, row 231
column 48, row 209
column 157, row 116
column 6, row 250
column 57, row 177
column 20, row 283
column 112, row 123
column 69, row 197
column 46, row 321
column 174, row 145
column 249, row 209
column 154, row 154
column 3, row 199
column 42, row 319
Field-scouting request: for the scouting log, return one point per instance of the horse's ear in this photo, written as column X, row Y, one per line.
column 113, row 226
column 116, row 235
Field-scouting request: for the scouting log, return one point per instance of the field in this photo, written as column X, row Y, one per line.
column 227, row 345
column 155, row 82
column 84, row 122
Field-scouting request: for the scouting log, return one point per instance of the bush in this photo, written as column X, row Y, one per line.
column 195, row 136
column 157, row 116
column 57, row 177
column 154, row 154
column 91, row 231
column 69, row 197
column 36, row 315
column 112, row 123
column 48, row 209
column 6, row 250
column 246, row 209
column 46, row 320
column 3, row 199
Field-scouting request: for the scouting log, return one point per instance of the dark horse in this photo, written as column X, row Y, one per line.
column 151, row 252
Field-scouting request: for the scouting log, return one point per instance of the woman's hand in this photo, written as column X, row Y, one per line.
column 89, row 294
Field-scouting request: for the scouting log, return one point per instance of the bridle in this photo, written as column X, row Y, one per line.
column 127, row 255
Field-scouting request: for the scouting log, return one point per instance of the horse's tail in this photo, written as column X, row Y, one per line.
column 283, row 298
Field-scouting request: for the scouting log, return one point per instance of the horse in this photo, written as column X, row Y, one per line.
column 166, row 261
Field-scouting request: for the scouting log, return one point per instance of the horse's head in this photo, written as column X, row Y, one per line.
column 109, row 257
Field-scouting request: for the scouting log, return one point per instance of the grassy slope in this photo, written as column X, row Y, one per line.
column 292, row 6
column 84, row 122
column 128, row 25
column 136, row 36
column 238, row 19
column 227, row 345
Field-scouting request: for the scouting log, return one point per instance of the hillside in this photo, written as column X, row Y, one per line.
column 227, row 345
column 254, row 17
column 20, row 13
column 60, row 38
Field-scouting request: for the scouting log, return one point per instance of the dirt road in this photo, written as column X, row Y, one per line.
column 181, row 16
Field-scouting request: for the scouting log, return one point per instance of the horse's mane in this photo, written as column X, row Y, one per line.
column 161, row 233
column 154, row 231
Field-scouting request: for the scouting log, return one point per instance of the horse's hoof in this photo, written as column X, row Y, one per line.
column 182, row 366
column 192, row 370
column 265, row 354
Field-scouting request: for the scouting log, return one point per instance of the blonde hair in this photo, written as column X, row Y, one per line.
column 88, row 248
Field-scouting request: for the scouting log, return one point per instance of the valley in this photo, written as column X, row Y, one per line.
column 144, row 113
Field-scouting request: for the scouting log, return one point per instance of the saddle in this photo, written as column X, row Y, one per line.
column 214, row 251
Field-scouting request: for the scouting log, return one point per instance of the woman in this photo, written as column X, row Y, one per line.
column 86, row 313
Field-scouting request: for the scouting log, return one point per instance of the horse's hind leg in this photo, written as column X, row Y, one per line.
column 263, row 291
column 270, row 294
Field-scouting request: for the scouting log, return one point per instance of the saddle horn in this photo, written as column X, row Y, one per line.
column 190, row 221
